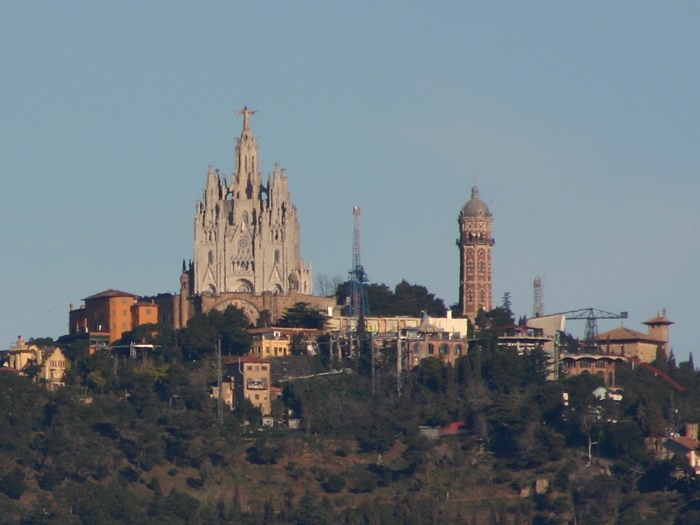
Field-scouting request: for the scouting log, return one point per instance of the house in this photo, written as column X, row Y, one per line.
column 427, row 340
column 108, row 314
column 624, row 341
column 52, row 362
column 668, row 447
column 277, row 341
column 602, row 366
column 22, row 354
column 251, row 380
column 53, row 369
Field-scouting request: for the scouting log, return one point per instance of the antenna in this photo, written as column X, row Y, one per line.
column 358, row 278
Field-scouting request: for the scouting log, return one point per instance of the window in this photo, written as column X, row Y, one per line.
column 250, row 367
column 264, row 367
column 431, row 348
column 458, row 349
column 445, row 349
column 210, row 257
column 257, row 396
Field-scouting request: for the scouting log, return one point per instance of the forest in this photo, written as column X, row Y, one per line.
column 138, row 441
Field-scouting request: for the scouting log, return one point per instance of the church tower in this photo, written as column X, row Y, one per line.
column 246, row 234
column 475, row 243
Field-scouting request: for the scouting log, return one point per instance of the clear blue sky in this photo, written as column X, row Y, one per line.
column 579, row 122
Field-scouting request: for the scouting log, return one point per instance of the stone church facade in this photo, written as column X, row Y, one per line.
column 246, row 233
column 246, row 243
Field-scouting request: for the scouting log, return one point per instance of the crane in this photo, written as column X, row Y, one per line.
column 591, row 315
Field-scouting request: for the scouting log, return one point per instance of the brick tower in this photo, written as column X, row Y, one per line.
column 475, row 243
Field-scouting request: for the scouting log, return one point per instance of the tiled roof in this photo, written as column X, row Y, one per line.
column 689, row 443
column 659, row 319
column 622, row 333
column 110, row 293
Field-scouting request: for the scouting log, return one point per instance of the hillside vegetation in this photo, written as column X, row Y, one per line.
column 138, row 441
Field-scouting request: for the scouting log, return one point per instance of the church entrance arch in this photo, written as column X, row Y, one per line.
column 249, row 310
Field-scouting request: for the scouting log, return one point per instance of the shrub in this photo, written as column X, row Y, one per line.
column 334, row 484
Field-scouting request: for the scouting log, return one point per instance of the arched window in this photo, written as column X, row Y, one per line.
column 482, row 296
column 470, row 296
column 445, row 349
column 277, row 256
column 470, row 266
column 210, row 257
column 431, row 348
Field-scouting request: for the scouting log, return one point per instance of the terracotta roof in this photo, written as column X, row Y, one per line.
column 689, row 443
column 659, row 319
column 110, row 293
column 623, row 334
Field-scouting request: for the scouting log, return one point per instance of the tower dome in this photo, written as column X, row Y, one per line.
column 475, row 207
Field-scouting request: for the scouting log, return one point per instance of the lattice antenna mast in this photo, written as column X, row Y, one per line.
column 538, row 305
column 358, row 278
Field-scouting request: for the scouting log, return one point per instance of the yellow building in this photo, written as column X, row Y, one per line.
column 53, row 369
column 23, row 354
column 251, row 380
column 277, row 341
column 52, row 362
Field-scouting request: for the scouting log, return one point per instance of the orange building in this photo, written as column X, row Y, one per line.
column 144, row 313
column 111, row 313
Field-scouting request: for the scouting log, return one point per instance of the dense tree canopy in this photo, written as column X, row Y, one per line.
column 405, row 300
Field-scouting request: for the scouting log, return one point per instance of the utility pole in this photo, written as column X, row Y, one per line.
column 374, row 377
column 219, row 381
column 398, row 361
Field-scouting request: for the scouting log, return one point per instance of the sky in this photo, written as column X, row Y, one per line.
column 578, row 121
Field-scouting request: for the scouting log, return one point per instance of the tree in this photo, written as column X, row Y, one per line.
column 327, row 286
column 204, row 330
column 13, row 485
column 406, row 299
column 303, row 315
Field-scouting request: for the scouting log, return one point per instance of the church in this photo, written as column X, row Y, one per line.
column 246, row 233
column 246, row 242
